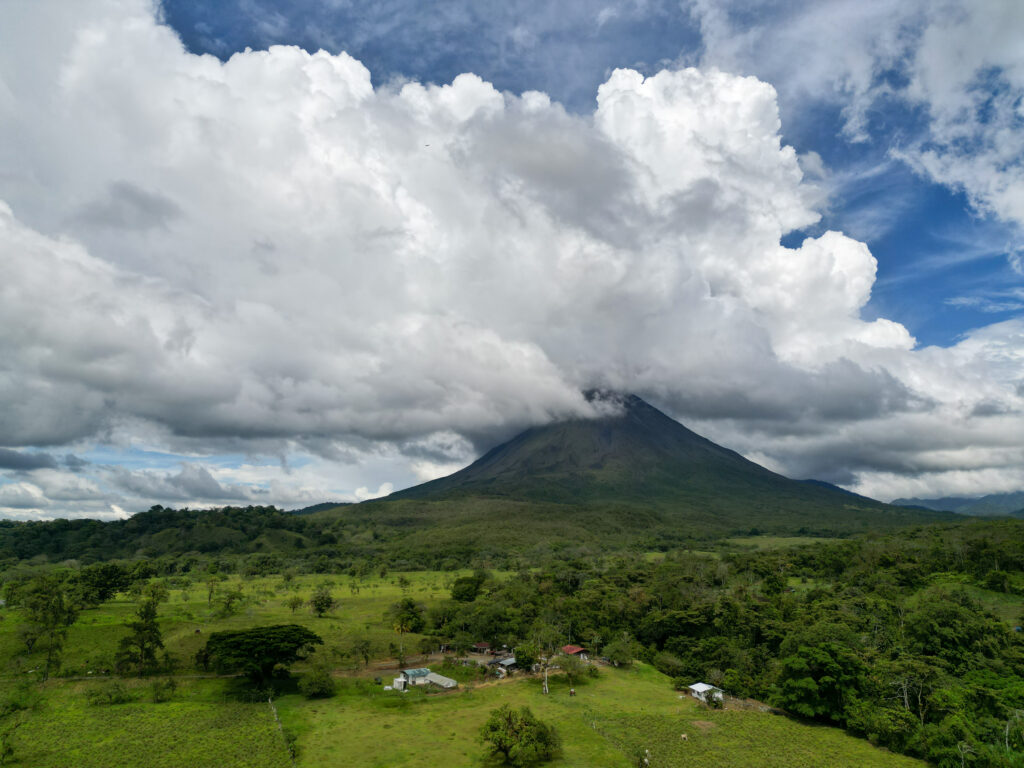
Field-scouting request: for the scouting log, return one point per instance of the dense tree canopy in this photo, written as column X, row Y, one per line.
column 258, row 651
column 518, row 737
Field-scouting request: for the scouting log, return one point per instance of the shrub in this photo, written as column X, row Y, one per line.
column 108, row 694
column 519, row 737
column 163, row 690
column 317, row 683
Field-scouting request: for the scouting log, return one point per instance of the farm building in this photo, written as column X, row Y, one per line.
column 441, row 681
column 415, row 676
column 422, row 676
column 575, row 650
column 706, row 693
column 481, row 647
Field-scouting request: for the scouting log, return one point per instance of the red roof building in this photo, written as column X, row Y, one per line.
column 572, row 650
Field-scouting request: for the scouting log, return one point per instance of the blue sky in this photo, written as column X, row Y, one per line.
column 290, row 276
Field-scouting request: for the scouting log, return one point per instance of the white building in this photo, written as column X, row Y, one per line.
column 706, row 693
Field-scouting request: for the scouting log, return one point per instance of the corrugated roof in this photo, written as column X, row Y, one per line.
column 444, row 682
column 702, row 687
column 416, row 672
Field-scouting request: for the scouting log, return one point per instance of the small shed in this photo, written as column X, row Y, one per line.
column 441, row 681
column 706, row 692
column 481, row 647
column 575, row 650
column 509, row 663
column 416, row 675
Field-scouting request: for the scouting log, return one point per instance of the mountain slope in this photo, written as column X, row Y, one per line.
column 993, row 505
column 640, row 458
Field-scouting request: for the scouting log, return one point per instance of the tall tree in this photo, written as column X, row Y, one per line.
column 138, row 650
column 405, row 616
column 49, row 611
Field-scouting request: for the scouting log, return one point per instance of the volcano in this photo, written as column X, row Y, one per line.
column 638, row 458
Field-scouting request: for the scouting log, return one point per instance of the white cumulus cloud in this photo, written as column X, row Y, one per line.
column 269, row 252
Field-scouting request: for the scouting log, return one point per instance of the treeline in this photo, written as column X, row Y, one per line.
column 160, row 531
column 257, row 540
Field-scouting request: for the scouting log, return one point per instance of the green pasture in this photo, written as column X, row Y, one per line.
column 189, row 616
column 199, row 728
column 609, row 719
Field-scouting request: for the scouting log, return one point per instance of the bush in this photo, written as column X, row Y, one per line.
column 322, row 601
column 108, row 694
column 163, row 690
column 317, row 683
column 519, row 737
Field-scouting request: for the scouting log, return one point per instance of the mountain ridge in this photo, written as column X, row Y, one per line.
column 990, row 505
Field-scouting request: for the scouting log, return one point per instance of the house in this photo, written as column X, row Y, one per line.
column 441, row 681
column 415, row 676
column 481, row 647
column 706, row 693
column 575, row 650
column 508, row 664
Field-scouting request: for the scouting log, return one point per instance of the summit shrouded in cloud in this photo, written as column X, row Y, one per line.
column 267, row 278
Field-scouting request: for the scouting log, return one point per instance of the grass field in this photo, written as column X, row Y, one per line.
column 199, row 728
column 605, row 724
column 204, row 724
column 187, row 618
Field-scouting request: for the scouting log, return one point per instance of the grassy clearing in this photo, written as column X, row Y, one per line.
column 188, row 617
column 200, row 728
column 603, row 725
column 774, row 542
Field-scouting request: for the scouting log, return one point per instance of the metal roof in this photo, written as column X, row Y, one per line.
column 416, row 672
column 702, row 687
column 444, row 682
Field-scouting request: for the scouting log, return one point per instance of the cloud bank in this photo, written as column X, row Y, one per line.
column 269, row 255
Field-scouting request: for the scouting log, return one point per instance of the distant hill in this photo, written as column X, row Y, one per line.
column 635, row 473
column 321, row 507
column 993, row 505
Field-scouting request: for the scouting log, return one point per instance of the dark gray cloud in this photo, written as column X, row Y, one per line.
column 193, row 483
column 127, row 206
column 75, row 463
column 24, row 461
